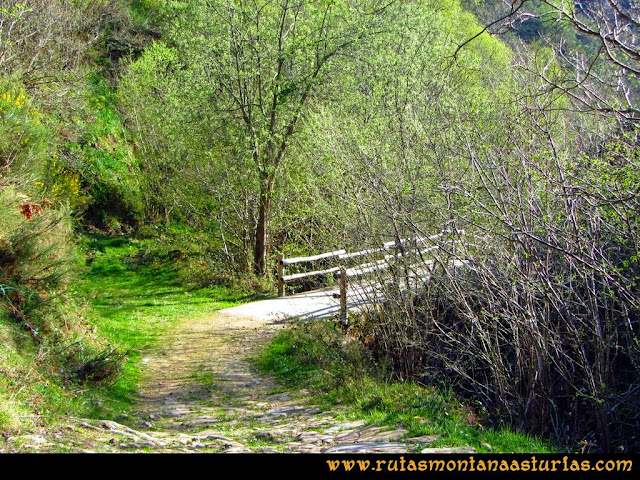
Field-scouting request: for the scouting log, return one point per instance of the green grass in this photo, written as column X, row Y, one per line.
column 317, row 357
column 138, row 293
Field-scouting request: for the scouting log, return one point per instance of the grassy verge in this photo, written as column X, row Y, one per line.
column 30, row 396
column 87, row 362
column 137, row 291
column 320, row 358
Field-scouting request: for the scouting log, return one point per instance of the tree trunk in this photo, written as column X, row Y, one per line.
column 260, row 250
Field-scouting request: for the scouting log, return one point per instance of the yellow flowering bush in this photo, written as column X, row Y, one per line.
column 62, row 183
column 36, row 253
column 15, row 99
column 23, row 138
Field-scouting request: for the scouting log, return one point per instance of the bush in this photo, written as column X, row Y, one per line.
column 36, row 252
column 540, row 327
column 86, row 363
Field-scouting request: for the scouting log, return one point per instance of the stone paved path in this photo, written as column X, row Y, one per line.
column 200, row 395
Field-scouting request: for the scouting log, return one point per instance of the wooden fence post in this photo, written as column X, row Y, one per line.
column 281, row 275
column 343, row 295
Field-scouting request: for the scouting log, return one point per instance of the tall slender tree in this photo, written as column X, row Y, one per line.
column 265, row 60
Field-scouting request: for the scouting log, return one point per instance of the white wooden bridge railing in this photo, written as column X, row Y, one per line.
column 342, row 273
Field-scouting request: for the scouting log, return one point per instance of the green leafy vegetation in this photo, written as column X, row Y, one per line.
column 156, row 156
column 132, row 292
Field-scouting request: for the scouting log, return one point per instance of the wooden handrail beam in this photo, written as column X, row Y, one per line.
column 291, row 261
column 370, row 251
column 296, row 276
column 367, row 268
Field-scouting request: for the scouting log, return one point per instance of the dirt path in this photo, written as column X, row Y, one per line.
column 200, row 394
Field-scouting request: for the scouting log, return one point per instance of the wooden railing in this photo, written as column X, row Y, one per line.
column 417, row 245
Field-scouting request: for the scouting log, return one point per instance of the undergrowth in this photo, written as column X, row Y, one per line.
column 338, row 370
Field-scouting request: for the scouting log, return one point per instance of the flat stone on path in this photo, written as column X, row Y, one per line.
column 368, row 447
column 427, row 439
column 210, row 435
column 342, row 426
column 442, row 450
column 372, row 434
column 238, row 450
column 201, row 420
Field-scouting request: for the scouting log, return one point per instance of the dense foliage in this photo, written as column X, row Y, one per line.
column 64, row 164
column 250, row 128
column 539, row 322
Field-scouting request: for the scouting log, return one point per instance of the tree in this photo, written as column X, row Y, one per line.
column 262, row 64
column 40, row 39
column 543, row 323
column 595, row 41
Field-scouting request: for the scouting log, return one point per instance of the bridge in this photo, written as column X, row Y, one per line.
column 359, row 277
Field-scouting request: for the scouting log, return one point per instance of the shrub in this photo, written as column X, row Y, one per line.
column 541, row 324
